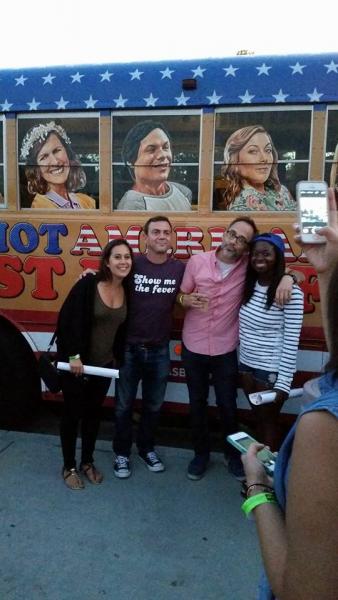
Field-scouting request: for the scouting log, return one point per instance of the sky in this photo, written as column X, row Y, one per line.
column 40, row 33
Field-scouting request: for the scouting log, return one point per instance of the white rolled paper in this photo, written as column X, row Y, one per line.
column 91, row 370
column 259, row 398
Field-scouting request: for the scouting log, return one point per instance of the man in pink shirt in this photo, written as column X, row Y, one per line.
column 211, row 291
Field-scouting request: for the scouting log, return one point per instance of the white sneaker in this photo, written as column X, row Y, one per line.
column 121, row 467
column 153, row 462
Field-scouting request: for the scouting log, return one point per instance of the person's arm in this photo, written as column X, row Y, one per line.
column 311, row 568
column 293, row 318
column 323, row 257
column 300, row 553
column 284, row 289
column 72, row 323
column 188, row 296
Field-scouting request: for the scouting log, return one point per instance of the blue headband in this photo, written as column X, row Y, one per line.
column 271, row 238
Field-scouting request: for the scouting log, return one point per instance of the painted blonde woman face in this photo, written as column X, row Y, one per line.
column 255, row 160
column 53, row 162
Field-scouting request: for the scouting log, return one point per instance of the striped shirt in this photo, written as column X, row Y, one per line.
column 269, row 338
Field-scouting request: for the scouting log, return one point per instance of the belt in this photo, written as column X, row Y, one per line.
column 148, row 346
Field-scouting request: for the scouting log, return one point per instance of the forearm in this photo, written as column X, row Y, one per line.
column 271, row 531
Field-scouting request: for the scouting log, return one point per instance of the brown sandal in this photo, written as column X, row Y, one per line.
column 90, row 471
column 72, row 479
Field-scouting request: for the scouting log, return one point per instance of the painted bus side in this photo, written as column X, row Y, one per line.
column 42, row 252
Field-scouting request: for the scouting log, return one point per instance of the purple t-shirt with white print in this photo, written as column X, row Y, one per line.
column 152, row 292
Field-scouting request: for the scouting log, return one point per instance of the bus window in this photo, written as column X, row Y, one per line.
column 58, row 162
column 259, row 157
column 156, row 162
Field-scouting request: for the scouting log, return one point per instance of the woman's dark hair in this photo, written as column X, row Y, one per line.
column 104, row 273
column 134, row 137
column 36, row 184
column 252, row 276
column 332, row 320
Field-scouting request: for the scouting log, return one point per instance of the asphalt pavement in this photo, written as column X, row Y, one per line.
column 154, row 536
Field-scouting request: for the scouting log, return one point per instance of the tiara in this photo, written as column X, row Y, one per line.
column 41, row 132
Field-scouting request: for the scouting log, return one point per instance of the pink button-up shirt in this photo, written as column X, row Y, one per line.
column 215, row 330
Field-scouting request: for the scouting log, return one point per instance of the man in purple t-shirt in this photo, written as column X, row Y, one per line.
column 155, row 282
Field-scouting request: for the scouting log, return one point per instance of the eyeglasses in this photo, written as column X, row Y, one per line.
column 239, row 239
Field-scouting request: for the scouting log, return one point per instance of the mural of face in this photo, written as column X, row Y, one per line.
column 54, row 163
column 255, row 160
column 153, row 163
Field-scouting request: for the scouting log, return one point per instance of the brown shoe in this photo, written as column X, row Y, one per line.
column 90, row 471
column 72, row 479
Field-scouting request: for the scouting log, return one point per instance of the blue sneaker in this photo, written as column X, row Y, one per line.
column 198, row 466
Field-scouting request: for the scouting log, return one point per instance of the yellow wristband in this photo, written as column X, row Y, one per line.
column 256, row 500
column 75, row 357
column 180, row 298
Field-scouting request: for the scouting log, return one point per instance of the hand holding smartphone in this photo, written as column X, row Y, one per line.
column 313, row 209
column 242, row 441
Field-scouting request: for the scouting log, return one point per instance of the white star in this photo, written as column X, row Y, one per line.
column 48, row 79
column 76, row 78
column 135, row 74
column 314, row 96
column 182, row 99
column 166, row 74
column 151, row 100
column 263, row 69
column 106, row 76
column 214, row 99
column 120, row 101
column 198, row 72
column 230, row 70
column 297, row 68
column 280, row 97
column 90, row 103
column 246, row 99
column 33, row 105
column 61, row 104
column 332, row 67
column 6, row 106
column 20, row 80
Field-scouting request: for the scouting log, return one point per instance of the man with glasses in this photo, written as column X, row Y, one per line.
column 211, row 291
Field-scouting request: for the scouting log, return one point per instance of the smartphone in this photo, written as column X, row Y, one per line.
column 313, row 208
column 242, row 441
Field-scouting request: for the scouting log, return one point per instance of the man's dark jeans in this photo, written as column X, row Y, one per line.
column 151, row 365
column 223, row 369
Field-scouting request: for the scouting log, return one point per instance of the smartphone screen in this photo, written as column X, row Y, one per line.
column 264, row 455
column 313, row 209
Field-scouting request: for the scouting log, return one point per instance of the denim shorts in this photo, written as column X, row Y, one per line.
column 269, row 377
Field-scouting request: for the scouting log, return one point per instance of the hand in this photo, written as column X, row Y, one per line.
column 323, row 256
column 281, row 397
column 76, row 366
column 254, row 470
column 87, row 272
column 284, row 290
column 195, row 300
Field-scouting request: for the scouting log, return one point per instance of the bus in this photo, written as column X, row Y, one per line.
column 98, row 114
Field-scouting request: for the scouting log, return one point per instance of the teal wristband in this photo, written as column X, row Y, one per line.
column 251, row 503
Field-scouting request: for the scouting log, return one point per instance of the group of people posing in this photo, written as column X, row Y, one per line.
column 238, row 293
column 122, row 315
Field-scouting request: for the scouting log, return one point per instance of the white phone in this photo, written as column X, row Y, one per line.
column 242, row 441
column 313, row 209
